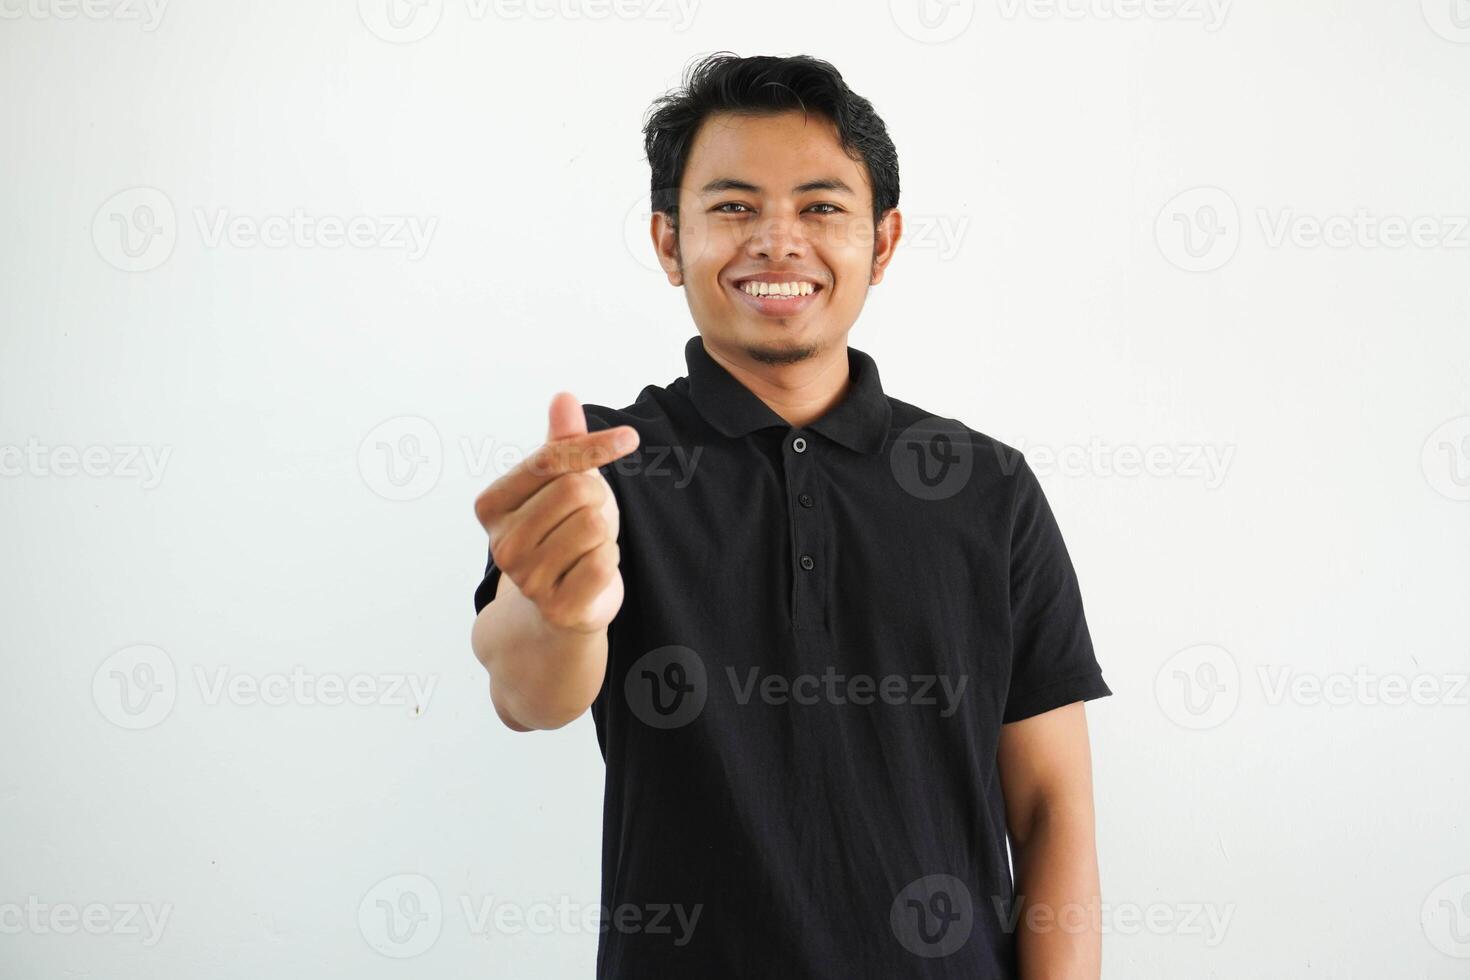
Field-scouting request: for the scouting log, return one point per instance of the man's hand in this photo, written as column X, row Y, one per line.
column 553, row 526
column 553, row 521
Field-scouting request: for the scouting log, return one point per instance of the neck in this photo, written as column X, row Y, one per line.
column 800, row 391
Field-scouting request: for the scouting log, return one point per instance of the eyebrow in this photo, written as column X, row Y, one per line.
column 720, row 184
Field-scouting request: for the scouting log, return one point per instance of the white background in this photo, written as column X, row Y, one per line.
column 1046, row 296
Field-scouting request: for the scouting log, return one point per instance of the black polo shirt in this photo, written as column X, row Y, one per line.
column 823, row 630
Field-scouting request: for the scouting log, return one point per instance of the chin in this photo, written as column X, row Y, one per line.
column 787, row 351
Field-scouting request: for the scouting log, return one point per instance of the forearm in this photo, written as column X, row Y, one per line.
column 1058, row 893
column 541, row 677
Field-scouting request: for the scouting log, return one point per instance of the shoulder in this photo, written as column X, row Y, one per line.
column 650, row 409
column 991, row 464
column 661, row 414
column 657, row 415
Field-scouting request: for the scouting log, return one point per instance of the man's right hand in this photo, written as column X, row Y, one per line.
column 553, row 521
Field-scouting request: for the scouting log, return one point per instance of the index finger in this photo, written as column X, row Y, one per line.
column 551, row 460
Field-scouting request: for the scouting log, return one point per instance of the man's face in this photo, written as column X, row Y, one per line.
column 774, row 198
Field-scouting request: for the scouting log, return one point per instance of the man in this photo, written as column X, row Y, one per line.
column 834, row 646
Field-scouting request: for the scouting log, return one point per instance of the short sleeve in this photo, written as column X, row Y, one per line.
column 1052, row 659
column 485, row 591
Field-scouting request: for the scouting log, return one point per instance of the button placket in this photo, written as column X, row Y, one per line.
column 806, row 588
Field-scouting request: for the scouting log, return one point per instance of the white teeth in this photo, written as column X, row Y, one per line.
column 778, row 288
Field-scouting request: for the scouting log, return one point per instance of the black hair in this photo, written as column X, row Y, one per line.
column 764, row 85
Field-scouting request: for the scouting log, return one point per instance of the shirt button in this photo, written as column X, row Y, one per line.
column 799, row 444
column 807, row 563
column 805, row 500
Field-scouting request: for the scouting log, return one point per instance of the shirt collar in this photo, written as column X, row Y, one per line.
column 859, row 422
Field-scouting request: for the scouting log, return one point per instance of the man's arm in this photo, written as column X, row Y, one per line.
column 1046, row 775
column 557, row 673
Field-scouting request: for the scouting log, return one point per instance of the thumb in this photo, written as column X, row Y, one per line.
column 566, row 417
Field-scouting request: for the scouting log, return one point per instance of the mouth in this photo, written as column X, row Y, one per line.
column 777, row 295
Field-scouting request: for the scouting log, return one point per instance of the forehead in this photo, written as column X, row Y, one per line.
column 774, row 152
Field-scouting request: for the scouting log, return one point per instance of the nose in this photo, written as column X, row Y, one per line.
column 777, row 235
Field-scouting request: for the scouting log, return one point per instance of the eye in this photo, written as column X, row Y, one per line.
column 720, row 208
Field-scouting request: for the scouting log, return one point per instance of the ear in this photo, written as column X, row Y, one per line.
column 666, row 246
column 885, row 241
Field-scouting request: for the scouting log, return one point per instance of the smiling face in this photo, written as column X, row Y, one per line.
column 774, row 200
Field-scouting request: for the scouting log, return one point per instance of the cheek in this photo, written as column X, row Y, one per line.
column 702, row 243
column 846, row 237
column 852, row 280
